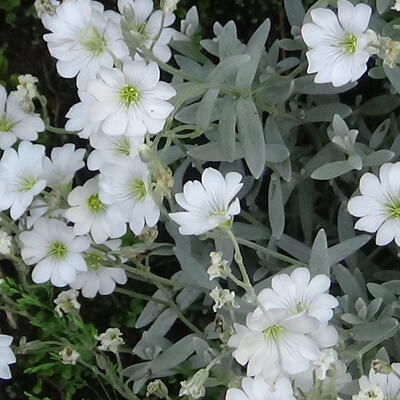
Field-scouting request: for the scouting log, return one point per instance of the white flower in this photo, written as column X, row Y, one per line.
column 127, row 186
column 67, row 302
column 89, row 214
column 378, row 206
column 257, row 389
column 208, row 203
column 6, row 356
column 146, row 26
column 69, row 356
column 82, row 38
column 55, row 250
column 131, row 102
column 222, row 297
column 99, row 278
column 338, row 44
column 110, row 340
column 5, row 243
column 396, row 6
column 15, row 123
column 297, row 293
column 380, row 386
column 65, row 162
column 21, row 177
column 111, row 149
column 274, row 342
column 219, row 268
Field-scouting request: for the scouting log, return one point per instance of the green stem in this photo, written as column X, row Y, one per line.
column 270, row 252
column 140, row 296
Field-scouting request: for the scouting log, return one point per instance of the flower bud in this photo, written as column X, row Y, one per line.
column 157, row 388
column 69, row 356
column 194, row 387
column 66, row 302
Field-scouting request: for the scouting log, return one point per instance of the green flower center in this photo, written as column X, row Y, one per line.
column 274, row 332
column 5, row 124
column 393, row 210
column 93, row 41
column 129, row 95
column 94, row 260
column 298, row 308
column 58, row 250
column 26, row 183
column 94, row 203
column 349, row 43
column 138, row 189
column 123, row 147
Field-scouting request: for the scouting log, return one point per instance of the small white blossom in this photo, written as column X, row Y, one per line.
column 82, row 38
column 208, row 203
column 274, row 342
column 21, row 177
column 396, row 6
column 130, row 102
column 194, row 387
column 65, row 162
column 67, row 302
column 257, row 389
column 297, row 293
column 7, row 356
column 100, row 277
column 338, row 44
column 146, row 25
column 69, row 356
column 15, row 122
column 378, row 206
column 126, row 185
column 5, row 243
column 380, row 386
column 219, row 267
column 222, row 297
column 55, row 250
column 110, row 340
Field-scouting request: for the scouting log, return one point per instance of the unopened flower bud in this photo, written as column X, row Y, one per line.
column 157, row 388
column 27, row 91
column 381, row 367
column 110, row 340
column 44, row 7
column 194, row 387
column 5, row 243
column 66, row 302
column 222, row 297
column 149, row 235
column 164, row 182
column 69, row 356
column 219, row 268
column 169, row 6
column 145, row 152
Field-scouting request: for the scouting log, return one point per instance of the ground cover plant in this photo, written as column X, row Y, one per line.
column 215, row 217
